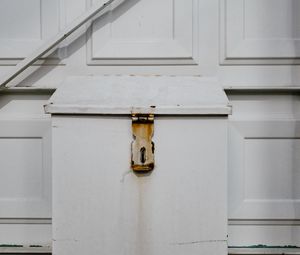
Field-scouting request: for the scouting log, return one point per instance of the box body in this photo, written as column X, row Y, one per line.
column 100, row 206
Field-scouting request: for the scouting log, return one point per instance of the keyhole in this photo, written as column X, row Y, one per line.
column 143, row 155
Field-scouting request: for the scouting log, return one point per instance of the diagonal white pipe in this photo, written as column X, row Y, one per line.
column 53, row 42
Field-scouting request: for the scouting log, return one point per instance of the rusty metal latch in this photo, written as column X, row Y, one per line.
column 142, row 148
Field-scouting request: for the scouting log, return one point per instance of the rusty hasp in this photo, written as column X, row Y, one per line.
column 142, row 148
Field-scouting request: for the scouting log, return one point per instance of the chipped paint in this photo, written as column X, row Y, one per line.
column 263, row 246
column 25, row 249
column 10, row 245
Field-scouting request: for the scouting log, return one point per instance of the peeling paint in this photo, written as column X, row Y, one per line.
column 263, row 246
column 10, row 245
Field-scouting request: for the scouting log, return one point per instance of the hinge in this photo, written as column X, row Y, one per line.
column 142, row 148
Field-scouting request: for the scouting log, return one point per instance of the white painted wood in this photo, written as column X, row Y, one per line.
column 26, row 169
column 25, row 234
column 25, row 144
column 180, row 208
column 24, row 26
column 21, row 104
column 264, row 106
column 263, row 167
column 25, row 250
column 53, row 42
column 260, row 222
column 260, row 32
column 207, row 48
column 130, row 35
column 253, row 75
column 271, row 251
column 269, row 27
column 267, row 235
column 263, row 174
column 126, row 95
column 28, row 221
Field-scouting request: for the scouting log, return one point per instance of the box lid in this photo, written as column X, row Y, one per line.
column 172, row 95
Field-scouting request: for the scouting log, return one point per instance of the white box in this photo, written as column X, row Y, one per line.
column 100, row 206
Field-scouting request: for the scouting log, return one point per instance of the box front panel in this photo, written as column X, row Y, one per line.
column 101, row 206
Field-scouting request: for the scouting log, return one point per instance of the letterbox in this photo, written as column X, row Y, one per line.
column 139, row 166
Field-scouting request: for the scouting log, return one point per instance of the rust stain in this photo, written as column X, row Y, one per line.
column 142, row 148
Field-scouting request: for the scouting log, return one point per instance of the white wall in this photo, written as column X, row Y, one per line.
column 264, row 169
column 25, row 183
column 245, row 43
